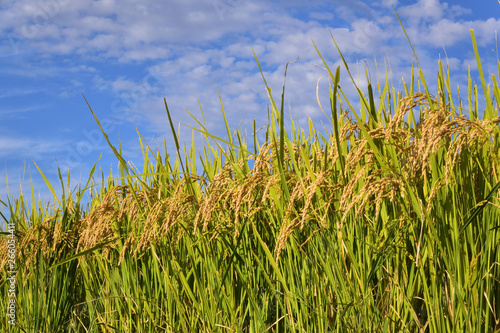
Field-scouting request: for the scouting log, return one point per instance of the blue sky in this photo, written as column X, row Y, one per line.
column 126, row 55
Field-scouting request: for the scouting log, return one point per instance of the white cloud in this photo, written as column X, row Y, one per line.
column 456, row 11
column 469, row 63
column 486, row 31
column 446, row 33
column 321, row 16
column 27, row 148
column 132, row 31
column 123, row 84
column 427, row 10
column 193, row 72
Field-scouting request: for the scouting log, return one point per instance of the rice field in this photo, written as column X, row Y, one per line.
column 389, row 222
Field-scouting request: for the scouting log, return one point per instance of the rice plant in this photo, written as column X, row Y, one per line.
column 386, row 221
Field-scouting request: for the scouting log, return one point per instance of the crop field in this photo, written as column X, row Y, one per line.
column 385, row 220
